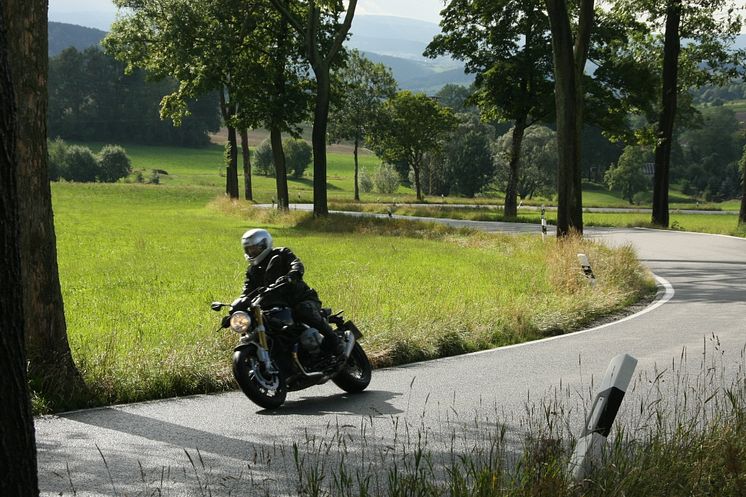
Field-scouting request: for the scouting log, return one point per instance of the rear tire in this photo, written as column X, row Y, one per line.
column 355, row 377
column 265, row 389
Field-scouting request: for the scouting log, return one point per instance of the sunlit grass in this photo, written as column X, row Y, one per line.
column 139, row 265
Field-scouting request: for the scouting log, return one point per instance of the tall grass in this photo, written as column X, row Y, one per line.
column 139, row 265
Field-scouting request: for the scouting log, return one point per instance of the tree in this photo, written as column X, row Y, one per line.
column 627, row 176
column 570, row 52
column 17, row 445
column 364, row 87
column 467, row 157
column 299, row 155
column 79, row 164
column 242, row 50
column 538, row 164
column 458, row 98
column 411, row 126
column 113, row 163
column 742, row 213
column 318, row 22
column 51, row 369
column 709, row 28
column 506, row 43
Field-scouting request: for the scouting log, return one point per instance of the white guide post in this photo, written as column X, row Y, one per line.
column 585, row 264
column 603, row 411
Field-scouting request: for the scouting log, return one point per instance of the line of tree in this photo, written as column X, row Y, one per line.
column 91, row 98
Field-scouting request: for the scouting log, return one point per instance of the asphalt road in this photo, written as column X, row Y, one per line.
column 222, row 444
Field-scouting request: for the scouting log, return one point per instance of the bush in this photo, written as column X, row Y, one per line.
column 79, row 164
column 263, row 163
column 386, row 179
column 56, row 155
column 365, row 182
column 114, row 164
column 298, row 155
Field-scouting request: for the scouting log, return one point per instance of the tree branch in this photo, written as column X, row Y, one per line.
column 344, row 29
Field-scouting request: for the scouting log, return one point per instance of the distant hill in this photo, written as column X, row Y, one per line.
column 62, row 36
column 405, row 38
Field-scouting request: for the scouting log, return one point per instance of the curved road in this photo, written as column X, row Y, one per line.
column 225, row 444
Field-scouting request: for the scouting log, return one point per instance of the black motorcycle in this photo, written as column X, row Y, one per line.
column 276, row 354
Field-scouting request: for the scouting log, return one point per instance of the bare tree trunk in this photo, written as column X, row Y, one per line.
column 228, row 111
column 357, row 187
column 511, row 191
column 318, row 140
column 246, row 164
column 281, row 175
column 416, row 169
column 17, row 444
column 742, row 214
column 569, row 64
column 51, row 368
column 671, row 50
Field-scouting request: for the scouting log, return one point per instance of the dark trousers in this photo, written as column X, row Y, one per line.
column 309, row 312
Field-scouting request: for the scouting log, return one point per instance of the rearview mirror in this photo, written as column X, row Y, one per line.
column 216, row 306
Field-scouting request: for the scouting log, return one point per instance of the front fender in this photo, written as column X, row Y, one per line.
column 247, row 341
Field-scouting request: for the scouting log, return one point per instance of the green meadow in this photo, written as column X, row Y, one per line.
column 139, row 265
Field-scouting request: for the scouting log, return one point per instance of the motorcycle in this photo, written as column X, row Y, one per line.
column 276, row 354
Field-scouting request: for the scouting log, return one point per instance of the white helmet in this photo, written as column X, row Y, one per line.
column 257, row 243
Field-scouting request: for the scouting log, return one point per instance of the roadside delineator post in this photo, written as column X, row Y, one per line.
column 585, row 264
column 543, row 223
column 605, row 406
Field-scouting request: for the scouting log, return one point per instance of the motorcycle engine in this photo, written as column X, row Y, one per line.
column 311, row 340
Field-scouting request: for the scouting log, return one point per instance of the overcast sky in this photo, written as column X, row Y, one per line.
column 100, row 13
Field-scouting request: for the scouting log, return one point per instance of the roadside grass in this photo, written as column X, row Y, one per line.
column 205, row 167
column 139, row 265
column 725, row 224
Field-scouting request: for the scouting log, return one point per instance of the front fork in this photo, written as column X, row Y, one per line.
column 262, row 352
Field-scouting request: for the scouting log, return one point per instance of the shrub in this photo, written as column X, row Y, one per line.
column 298, row 155
column 365, row 182
column 263, row 164
column 114, row 164
column 386, row 179
column 79, row 164
column 56, row 154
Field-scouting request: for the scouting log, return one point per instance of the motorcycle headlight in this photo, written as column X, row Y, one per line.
column 240, row 322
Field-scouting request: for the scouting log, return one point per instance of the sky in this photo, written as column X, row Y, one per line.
column 100, row 13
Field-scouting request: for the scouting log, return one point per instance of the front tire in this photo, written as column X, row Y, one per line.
column 264, row 388
column 355, row 377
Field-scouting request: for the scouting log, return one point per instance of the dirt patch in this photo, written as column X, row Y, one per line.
column 257, row 136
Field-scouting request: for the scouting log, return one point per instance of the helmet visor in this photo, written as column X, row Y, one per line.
column 254, row 250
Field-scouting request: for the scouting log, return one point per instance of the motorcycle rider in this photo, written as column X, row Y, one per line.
column 277, row 273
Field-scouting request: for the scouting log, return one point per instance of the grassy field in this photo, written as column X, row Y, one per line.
column 139, row 265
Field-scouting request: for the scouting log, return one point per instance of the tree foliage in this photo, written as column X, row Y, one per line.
column 92, row 99
column 299, row 155
column 506, row 44
column 627, row 176
column 411, row 126
column 538, row 163
column 364, row 86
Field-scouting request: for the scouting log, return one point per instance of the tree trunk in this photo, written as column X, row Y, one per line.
column 569, row 63
column 418, row 188
column 357, row 187
column 511, row 191
column 228, row 111
column 17, row 444
column 671, row 49
column 50, row 364
column 742, row 214
column 281, row 175
column 246, row 152
column 318, row 140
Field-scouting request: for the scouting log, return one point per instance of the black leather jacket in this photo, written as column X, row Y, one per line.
column 280, row 262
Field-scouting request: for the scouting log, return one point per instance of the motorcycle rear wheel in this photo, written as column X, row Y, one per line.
column 265, row 389
column 355, row 377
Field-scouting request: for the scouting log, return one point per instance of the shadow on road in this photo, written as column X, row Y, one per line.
column 368, row 403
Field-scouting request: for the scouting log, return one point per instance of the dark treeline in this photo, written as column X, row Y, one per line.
column 92, row 99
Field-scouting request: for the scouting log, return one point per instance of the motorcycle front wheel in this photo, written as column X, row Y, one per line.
column 355, row 377
column 265, row 388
